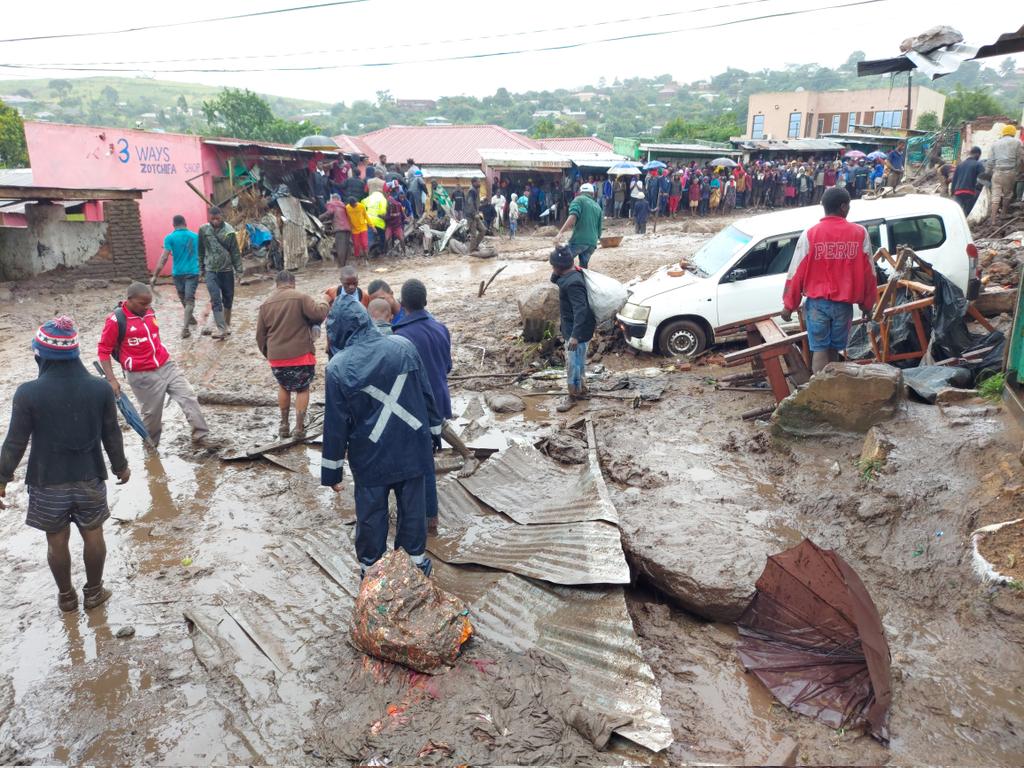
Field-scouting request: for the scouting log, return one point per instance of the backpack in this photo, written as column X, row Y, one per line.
column 122, row 330
column 605, row 294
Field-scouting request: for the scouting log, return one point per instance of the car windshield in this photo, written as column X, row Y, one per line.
column 717, row 251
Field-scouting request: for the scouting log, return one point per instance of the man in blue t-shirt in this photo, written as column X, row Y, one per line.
column 182, row 245
column 895, row 161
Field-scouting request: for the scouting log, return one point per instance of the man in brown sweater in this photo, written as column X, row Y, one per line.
column 287, row 326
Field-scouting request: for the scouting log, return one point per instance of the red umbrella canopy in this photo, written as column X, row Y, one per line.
column 813, row 636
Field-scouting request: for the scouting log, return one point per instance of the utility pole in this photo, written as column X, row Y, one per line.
column 910, row 82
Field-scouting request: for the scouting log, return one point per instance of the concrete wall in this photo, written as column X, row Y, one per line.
column 93, row 249
column 48, row 242
column 776, row 107
column 89, row 156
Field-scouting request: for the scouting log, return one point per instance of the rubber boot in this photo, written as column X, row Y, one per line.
column 190, row 320
column 300, row 424
column 222, row 326
column 284, row 430
column 93, row 596
column 67, row 601
column 227, row 319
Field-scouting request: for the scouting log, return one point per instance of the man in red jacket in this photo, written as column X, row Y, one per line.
column 131, row 336
column 832, row 267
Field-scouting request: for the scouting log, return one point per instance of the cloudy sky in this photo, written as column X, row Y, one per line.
column 429, row 49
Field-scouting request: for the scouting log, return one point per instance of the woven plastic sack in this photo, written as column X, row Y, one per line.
column 402, row 616
column 606, row 295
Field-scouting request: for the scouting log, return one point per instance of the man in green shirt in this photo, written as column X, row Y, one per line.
column 220, row 263
column 585, row 219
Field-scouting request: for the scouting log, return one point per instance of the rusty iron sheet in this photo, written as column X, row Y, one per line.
column 562, row 553
column 530, row 488
column 590, row 631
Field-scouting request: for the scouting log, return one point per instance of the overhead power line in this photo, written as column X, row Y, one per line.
column 462, row 57
column 416, row 44
column 170, row 25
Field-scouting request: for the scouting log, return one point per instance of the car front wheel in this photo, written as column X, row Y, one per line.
column 682, row 338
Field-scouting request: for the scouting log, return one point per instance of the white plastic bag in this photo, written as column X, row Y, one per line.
column 605, row 294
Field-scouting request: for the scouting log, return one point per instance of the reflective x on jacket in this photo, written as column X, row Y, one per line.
column 380, row 409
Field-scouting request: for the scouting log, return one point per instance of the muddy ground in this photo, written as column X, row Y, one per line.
column 71, row 690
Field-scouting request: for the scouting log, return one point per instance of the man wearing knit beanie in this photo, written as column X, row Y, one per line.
column 70, row 418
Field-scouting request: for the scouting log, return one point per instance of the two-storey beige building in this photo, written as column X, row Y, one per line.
column 810, row 114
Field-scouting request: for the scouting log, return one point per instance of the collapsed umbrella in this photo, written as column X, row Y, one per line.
column 128, row 412
column 813, row 636
column 724, row 162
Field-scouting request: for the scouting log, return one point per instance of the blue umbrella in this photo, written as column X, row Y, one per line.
column 624, row 169
column 127, row 409
column 655, row 165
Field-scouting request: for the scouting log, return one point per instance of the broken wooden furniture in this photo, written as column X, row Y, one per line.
column 767, row 346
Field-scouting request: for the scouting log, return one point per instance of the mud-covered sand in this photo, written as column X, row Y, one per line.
column 266, row 675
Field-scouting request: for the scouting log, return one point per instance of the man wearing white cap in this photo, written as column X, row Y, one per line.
column 585, row 220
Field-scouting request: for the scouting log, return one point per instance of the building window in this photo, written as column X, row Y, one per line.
column 821, row 125
column 794, row 125
column 851, row 121
column 889, row 119
column 757, row 127
column 835, row 124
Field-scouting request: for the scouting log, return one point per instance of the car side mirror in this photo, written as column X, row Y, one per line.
column 737, row 274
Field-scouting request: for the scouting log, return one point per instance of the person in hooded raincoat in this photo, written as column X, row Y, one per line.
column 380, row 412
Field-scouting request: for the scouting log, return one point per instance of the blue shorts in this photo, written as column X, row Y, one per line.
column 828, row 324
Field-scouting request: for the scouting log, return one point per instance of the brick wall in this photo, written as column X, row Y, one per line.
column 123, row 253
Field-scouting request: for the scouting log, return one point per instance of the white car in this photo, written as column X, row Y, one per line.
column 741, row 272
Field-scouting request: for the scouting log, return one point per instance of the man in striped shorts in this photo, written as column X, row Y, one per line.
column 70, row 418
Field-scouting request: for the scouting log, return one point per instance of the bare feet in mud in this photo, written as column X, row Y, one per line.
column 471, row 465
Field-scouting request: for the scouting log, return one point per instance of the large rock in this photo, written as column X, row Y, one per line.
column 705, row 558
column 847, row 397
column 503, row 402
column 538, row 308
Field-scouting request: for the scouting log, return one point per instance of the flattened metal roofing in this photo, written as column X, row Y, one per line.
column 442, row 144
column 590, row 631
column 530, row 488
column 561, row 553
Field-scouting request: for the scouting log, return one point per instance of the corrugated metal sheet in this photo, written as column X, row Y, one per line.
column 15, row 177
column 561, row 553
column 497, row 158
column 531, row 488
column 451, row 172
column 442, row 144
column 353, row 145
column 594, row 159
column 700, row 150
column 265, row 146
column 590, row 631
column 584, row 144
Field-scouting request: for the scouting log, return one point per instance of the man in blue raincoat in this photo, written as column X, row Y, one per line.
column 380, row 410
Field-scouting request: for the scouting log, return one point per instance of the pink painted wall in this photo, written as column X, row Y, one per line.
column 89, row 156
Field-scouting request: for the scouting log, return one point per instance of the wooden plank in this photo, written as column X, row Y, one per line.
column 770, row 330
column 741, row 356
column 979, row 318
column 889, row 291
column 738, row 327
column 68, row 193
column 910, row 306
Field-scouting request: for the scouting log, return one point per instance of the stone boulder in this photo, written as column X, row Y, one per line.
column 503, row 402
column 845, row 397
column 538, row 307
column 705, row 557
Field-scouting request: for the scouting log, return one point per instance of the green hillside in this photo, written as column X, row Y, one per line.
column 129, row 102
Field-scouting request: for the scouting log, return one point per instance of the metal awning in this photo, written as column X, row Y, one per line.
column 864, row 138
column 270, row 148
column 524, row 159
column 603, row 160
column 451, row 172
column 791, row 145
column 697, row 150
